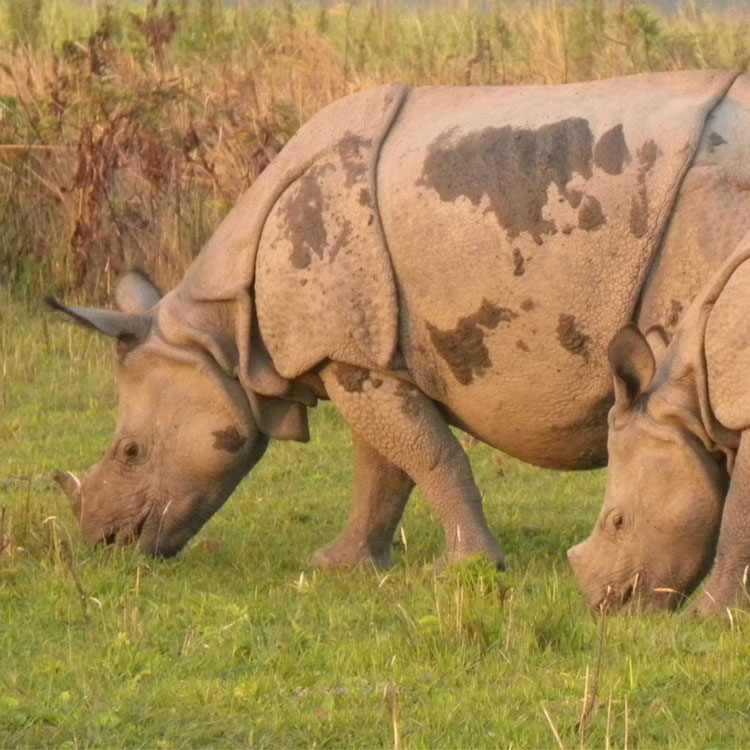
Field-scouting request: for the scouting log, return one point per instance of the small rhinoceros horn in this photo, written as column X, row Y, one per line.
column 71, row 486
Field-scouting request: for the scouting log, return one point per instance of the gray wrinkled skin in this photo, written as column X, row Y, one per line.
column 423, row 258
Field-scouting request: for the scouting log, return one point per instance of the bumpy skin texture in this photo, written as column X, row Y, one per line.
column 472, row 250
column 679, row 476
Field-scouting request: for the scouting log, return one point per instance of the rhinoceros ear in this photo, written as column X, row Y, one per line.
column 129, row 327
column 136, row 293
column 632, row 363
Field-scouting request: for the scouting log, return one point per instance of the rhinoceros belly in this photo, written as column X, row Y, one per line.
column 521, row 226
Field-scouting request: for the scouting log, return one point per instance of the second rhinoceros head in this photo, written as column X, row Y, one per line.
column 187, row 429
column 656, row 533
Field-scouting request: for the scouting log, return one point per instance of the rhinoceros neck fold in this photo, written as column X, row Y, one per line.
column 685, row 364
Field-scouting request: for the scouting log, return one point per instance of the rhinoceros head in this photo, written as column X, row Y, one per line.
column 656, row 533
column 187, row 429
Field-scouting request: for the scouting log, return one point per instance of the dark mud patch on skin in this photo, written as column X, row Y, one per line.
column 518, row 263
column 364, row 198
column 343, row 239
column 528, row 304
column 228, row 439
column 714, row 140
column 513, row 168
column 353, row 150
column 639, row 212
column 648, row 153
column 409, row 397
column 303, row 212
column 675, row 310
column 571, row 337
column 590, row 215
column 351, row 378
column 574, row 198
column 611, row 152
column 463, row 347
column 521, row 344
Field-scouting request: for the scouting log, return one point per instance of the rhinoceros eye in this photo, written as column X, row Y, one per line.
column 131, row 451
column 618, row 521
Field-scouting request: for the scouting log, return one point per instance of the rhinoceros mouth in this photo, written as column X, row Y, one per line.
column 128, row 533
column 618, row 597
column 614, row 599
column 637, row 595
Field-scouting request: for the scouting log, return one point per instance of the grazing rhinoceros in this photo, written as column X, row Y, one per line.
column 679, row 460
column 423, row 258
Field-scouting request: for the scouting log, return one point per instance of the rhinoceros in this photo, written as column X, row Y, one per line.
column 424, row 258
column 677, row 500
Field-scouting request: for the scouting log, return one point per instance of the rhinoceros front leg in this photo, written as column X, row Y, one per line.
column 406, row 428
column 727, row 585
column 381, row 491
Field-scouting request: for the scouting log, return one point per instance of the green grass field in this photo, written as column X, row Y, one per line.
column 124, row 137
column 234, row 643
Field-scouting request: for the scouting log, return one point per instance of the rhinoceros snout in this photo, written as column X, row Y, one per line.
column 594, row 593
column 575, row 555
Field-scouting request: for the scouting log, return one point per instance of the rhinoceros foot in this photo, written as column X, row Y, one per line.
column 345, row 552
column 726, row 588
column 492, row 552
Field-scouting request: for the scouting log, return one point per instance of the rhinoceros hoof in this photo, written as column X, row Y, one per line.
column 495, row 556
column 345, row 554
column 709, row 607
column 726, row 588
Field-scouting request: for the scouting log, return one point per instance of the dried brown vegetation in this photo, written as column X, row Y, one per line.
column 124, row 144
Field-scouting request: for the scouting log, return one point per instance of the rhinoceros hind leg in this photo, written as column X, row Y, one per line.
column 381, row 491
column 407, row 429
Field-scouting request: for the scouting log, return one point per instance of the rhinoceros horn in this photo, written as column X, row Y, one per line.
column 71, row 486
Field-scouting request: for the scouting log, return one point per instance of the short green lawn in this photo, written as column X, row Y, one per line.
column 235, row 643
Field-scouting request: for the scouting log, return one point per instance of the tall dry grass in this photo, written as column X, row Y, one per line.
column 128, row 129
